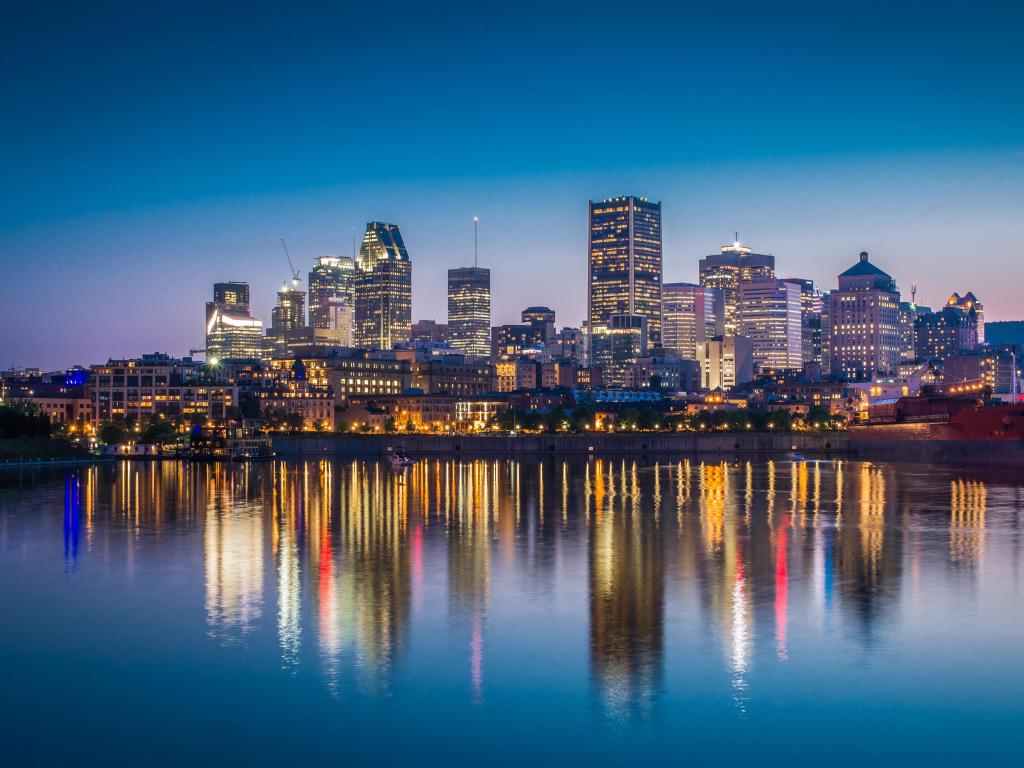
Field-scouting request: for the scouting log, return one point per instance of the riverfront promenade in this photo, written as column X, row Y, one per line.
column 618, row 443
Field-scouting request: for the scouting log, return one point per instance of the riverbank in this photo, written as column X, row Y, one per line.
column 289, row 446
column 34, row 451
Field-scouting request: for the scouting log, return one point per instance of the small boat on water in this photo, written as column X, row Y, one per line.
column 398, row 458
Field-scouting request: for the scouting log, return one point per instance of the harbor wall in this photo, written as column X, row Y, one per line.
column 637, row 443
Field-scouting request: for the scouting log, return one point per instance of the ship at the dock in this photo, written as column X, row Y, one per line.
column 943, row 427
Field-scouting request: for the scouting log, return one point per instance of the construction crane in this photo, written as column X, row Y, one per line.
column 295, row 272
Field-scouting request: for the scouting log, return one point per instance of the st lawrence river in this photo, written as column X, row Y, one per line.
column 541, row 611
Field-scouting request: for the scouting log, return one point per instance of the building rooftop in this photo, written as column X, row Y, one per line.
column 863, row 268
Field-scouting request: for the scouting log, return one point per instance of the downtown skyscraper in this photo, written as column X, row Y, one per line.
column 469, row 310
column 332, row 277
column 232, row 333
column 691, row 314
column 725, row 271
column 383, row 288
column 624, row 273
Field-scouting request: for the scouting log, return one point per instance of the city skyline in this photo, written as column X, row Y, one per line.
column 213, row 158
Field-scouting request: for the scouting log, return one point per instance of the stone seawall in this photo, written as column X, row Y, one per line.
column 643, row 443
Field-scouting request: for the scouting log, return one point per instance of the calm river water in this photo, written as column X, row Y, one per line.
column 511, row 612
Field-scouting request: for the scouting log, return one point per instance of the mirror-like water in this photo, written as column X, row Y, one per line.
column 499, row 612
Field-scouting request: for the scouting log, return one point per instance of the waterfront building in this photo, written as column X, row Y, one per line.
column 451, row 376
column 469, row 310
column 864, row 331
column 286, row 392
column 383, row 288
column 968, row 303
column 350, row 372
column 946, row 333
column 62, row 397
column 416, row 411
column 690, row 314
column 618, row 345
column 725, row 272
column 770, row 315
column 625, row 262
column 137, row 390
column 725, row 362
column 473, row 414
column 331, row 291
column 232, row 333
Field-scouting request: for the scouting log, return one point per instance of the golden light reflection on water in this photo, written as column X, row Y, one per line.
column 337, row 558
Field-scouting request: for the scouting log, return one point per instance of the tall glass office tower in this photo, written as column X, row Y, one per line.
column 332, row 277
column 625, row 262
column 383, row 288
column 725, row 271
column 469, row 310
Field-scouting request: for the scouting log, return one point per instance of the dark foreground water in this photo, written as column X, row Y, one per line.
column 511, row 612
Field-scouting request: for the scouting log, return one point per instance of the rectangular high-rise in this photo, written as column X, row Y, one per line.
column 383, row 288
column 469, row 310
column 624, row 275
column 231, row 332
column 332, row 277
column 690, row 314
column 770, row 315
column 725, row 271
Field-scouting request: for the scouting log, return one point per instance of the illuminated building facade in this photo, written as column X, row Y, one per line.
column 625, row 262
column 725, row 271
column 770, row 316
column 127, row 391
column 383, row 288
column 469, row 310
column 331, row 290
column 969, row 303
column 690, row 314
column 513, row 340
column 864, row 330
column 231, row 332
column 349, row 373
column 618, row 345
column 909, row 312
column 725, row 362
column 811, row 303
column 945, row 333
column 288, row 321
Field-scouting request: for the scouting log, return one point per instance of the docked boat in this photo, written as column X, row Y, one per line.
column 398, row 458
column 218, row 448
column 941, row 418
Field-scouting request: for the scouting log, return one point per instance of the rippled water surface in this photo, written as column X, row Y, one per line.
column 511, row 612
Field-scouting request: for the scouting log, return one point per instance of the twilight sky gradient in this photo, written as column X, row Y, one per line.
column 147, row 152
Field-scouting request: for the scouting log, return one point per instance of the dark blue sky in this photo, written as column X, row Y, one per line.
column 147, row 152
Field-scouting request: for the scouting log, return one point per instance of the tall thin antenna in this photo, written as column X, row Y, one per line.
column 476, row 220
column 913, row 293
column 353, row 243
column 737, row 238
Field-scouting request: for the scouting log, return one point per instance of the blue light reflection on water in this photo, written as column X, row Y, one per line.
column 610, row 611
